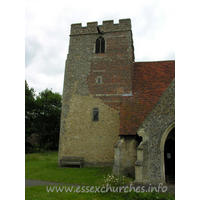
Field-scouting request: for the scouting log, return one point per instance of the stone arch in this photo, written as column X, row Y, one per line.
column 162, row 148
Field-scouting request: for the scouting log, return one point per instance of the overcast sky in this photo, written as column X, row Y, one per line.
column 47, row 29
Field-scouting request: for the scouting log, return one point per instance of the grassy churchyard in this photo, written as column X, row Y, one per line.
column 43, row 166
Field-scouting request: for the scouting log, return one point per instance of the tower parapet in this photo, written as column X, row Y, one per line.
column 108, row 26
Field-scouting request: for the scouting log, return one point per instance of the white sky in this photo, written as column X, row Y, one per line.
column 47, row 29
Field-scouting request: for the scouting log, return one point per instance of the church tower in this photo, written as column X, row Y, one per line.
column 98, row 72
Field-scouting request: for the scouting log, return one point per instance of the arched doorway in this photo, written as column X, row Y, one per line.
column 167, row 149
column 169, row 157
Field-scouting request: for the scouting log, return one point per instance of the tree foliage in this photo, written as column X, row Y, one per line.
column 29, row 116
column 42, row 116
column 48, row 118
column 29, row 110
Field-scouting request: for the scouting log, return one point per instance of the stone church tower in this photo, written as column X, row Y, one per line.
column 98, row 72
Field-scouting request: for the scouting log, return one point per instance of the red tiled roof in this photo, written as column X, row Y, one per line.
column 150, row 80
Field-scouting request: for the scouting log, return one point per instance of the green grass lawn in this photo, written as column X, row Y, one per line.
column 40, row 193
column 43, row 166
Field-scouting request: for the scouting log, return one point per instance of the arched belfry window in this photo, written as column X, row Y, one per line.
column 100, row 45
column 95, row 114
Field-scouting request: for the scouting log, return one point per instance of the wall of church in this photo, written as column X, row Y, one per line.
column 80, row 136
column 125, row 156
column 85, row 138
column 149, row 163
